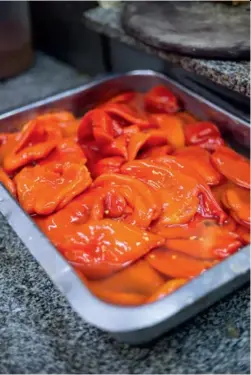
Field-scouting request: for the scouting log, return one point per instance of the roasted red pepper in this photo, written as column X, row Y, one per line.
column 108, row 165
column 233, row 166
column 160, row 99
column 203, row 134
column 42, row 190
column 140, row 279
column 173, row 128
column 128, row 115
column 168, row 288
column 128, row 198
column 200, row 160
column 102, row 247
column 237, row 200
column 177, row 265
column 37, row 139
column 168, row 200
column 97, row 125
column 177, row 189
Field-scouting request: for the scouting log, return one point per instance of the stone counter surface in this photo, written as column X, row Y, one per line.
column 231, row 74
column 40, row 333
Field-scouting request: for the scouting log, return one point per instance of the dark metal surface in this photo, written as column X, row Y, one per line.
column 129, row 324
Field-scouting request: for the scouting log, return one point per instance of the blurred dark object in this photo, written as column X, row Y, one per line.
column 58, row 30
column 15, row 38
column 204, row 31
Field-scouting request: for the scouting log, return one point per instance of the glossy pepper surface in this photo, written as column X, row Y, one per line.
column 138, row 195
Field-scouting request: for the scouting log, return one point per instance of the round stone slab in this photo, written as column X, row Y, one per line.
column 215, row 30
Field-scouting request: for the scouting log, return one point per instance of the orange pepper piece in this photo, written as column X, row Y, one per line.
column 161, row 99
column 193, row 229
column 139, row 278
column 166, row 289
column 128, row 115
column 122, row 299
column 177, row 265
column 233, row 166
column 173, row 128
column 118, row 147
column 244, row 234
column 218, row 191
column 74, row 213
column 97, row 125
column 200, row 160
column 92, row 153
column 7, row 182
column 186, row 117
column 211, row 243
column 205, row 134
column 66, row 151
column 108, row 165
column 133, row 200
column 209, row 207
column 42, row 190
column 177, row 190
column 237, row 199
column 62, row 119
column 103, row 247
column 155, row 151
column 141, row 141
column 37, row 139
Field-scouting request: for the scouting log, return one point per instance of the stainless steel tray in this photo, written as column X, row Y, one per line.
column 133, row 325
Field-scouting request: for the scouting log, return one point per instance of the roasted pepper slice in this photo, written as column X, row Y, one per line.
column 108, row 165
column 155, row 152
column 103, row 247
column 177, row 265
column 232, row 165
column 176, row 187
column 194, row 228
column 186, row 117
column 97, row 125
column 64, row 120
column 173, row 128
column 176, row 192
column 166, row 289
column 244, row 234
column 205, row 134
column 209, row 207
column 237, row 200
column 211, row 242
column 118, row 147
column 161, row 99
column 118, row 298
column 67, row 150
column 76, row 212
column 200, row 160
column 42, row 190
column 140, row 141
column 128, row 198
column 37, row 139
column 139, row 278
column 7, row 182
column 128, row 115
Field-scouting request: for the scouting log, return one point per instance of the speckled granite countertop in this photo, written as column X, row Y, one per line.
column 234, row 75
column 39, row 332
